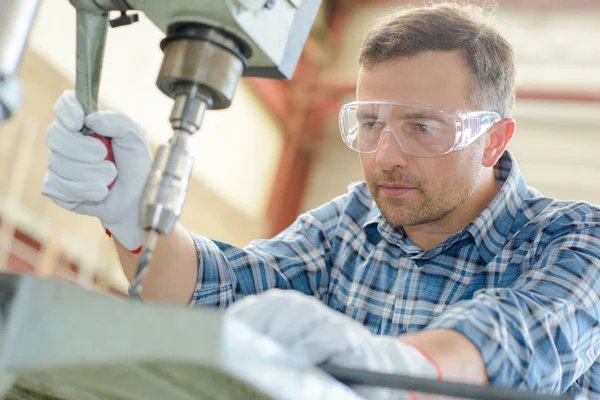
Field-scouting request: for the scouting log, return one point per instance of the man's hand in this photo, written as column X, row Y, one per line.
column 78, row 175
column 305, row 326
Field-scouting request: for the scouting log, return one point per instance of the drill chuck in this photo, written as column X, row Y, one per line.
column 164, row 194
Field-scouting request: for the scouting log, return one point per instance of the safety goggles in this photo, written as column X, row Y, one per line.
column 420, row 131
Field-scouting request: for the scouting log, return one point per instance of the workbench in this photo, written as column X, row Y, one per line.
column 61, row 341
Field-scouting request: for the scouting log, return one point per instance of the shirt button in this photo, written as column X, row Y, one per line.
column 420, row 263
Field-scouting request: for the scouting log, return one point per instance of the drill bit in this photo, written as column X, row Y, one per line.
column 144, row 264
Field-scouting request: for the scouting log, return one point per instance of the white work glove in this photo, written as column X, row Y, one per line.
column 306, row 327
column 78, row 174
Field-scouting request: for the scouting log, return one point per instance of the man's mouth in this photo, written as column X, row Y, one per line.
column 395, row 190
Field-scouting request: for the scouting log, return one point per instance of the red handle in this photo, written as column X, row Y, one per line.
column 111, row 156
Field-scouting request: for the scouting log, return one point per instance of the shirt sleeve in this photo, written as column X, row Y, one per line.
column 542, row 332
column 298, row 258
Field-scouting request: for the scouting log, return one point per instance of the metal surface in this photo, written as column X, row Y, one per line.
column 109, row 5
column 11, row 97
column 253, row 5
column 203, row 63
column 188, row 109
column 16, row 18
column 63, row 342
column 304, row 15
column 91, row 38
column 276, row 35
column 6, row 383
column 89, row 6
column 352, row 376
column 164, row 194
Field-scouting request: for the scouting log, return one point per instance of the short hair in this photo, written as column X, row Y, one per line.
column 450, row 27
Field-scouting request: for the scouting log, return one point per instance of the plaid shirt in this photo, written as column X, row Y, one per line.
column 521, row 281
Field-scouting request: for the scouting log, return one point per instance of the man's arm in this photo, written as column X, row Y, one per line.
column 541, row 333
column 187, row 268
column 173, row 270
column 456, row 356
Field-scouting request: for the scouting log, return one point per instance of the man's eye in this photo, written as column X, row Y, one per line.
column 369, row 125
column 420, row 127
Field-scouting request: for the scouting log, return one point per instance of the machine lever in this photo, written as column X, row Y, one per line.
column 91, row 37
column 351, row 376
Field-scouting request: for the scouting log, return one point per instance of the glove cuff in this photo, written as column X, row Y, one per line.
column 127, row 232
column 420, row 363
column 433, row 362
column 405, row 358
column 135, row 251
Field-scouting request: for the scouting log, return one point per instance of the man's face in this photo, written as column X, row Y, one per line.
column 413, row 190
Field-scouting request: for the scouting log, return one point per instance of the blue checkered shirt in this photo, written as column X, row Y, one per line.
column 522, row 281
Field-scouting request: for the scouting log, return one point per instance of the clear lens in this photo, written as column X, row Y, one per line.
column 419, row 131
column 476, row 123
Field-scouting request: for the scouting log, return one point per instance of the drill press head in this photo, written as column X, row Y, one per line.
column 209, row 46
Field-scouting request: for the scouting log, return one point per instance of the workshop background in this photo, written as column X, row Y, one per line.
column 277, row 151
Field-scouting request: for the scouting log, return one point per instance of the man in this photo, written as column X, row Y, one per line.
column 462, row 271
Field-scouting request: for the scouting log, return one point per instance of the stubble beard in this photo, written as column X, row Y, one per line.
column 421, row 206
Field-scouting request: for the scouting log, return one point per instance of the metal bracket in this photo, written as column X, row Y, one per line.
column 124, row 19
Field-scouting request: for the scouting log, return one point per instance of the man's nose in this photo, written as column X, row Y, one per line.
column 390, row 153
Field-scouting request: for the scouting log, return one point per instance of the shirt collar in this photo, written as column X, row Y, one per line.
column 489, row 230
column 371, row 224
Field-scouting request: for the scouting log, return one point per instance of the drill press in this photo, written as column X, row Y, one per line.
column 209, row 46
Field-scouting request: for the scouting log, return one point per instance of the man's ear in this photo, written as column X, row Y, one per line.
column 498, row 137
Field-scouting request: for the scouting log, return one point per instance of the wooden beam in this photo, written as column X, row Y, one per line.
column 559, row 95
column 300, row 107
column 506, row 3
column 273, row 93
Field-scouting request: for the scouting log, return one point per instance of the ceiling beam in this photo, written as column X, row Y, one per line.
column 556, row 95
column 310, row 105
column 346, row 87
column 506, row 3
